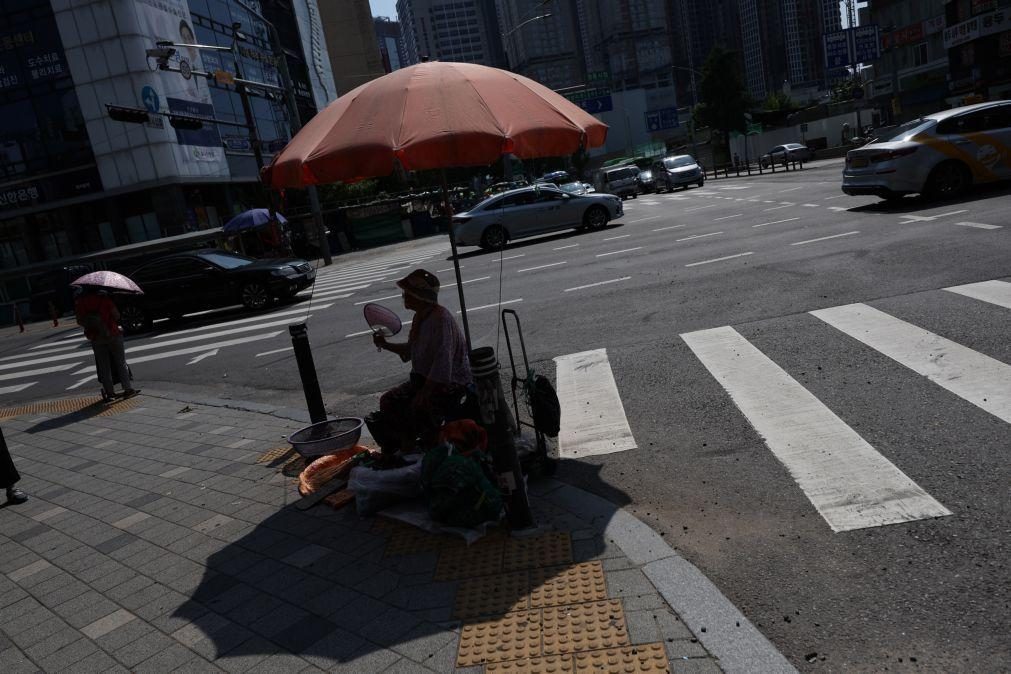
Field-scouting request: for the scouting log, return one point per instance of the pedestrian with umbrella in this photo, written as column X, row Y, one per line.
column 99, row 316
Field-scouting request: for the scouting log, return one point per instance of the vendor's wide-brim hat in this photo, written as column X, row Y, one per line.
column 421, row 285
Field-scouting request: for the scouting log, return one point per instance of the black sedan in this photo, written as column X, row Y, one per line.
column 182, row 283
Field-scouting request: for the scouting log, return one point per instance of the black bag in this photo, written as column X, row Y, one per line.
column 544, row 407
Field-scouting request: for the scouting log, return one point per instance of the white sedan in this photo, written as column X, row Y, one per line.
column 530, row 211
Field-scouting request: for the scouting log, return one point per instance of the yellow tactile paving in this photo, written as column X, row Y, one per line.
column 584, row 627
column 561, row 585
column 639, row 659
column 70, row 405
column 514, row 636
column 492, row 595
column 277, row 456
column 480, row 559
column 554, row 549
column 548, row 664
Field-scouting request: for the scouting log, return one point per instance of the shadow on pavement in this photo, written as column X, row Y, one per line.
column 912, row 204
column 334, row 588
column 533, row 241
column 87, row 411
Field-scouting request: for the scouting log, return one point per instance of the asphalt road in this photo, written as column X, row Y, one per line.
column 772, row 444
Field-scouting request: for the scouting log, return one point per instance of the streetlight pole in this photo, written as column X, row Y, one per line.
column 294, row 123
column 695, row 102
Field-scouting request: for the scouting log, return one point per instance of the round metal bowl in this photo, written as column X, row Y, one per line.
column 327, row 437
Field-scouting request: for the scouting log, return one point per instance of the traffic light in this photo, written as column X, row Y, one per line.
column 129, row 115
column 185, row 122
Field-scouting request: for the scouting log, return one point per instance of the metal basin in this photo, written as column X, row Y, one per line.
column 327, row 437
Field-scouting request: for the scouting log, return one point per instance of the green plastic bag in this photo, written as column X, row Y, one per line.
column 458, row 491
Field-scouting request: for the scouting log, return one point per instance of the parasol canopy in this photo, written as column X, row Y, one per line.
column 109, row 280
column 251, row 219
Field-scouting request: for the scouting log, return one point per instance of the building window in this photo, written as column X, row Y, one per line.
column 920, row 54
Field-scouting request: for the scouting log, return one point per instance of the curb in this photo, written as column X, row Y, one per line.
column 724, row 631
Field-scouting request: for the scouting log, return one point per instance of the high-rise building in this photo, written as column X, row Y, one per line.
column 351, row 42
column 699, row 25
column 76, row 181
column 391, row 44
column 542, row 42
column 463, row 31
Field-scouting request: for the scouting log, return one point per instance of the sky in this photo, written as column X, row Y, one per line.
column 384, row 8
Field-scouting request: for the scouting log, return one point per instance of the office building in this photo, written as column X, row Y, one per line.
column 542, row 42
column 351, row 42
column 464, row 31
column 391, row 44
column 76, row 181
column 977, row 36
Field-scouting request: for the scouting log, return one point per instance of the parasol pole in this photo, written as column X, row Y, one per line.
column 456, row 260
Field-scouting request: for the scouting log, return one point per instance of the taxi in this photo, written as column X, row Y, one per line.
column 939, row 155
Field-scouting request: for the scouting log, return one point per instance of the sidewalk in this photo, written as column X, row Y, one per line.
column 160, row 536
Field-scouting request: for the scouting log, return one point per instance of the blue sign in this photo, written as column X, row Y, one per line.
column 207, row 136
column 150, row 98
column 866, row 44
column 837, row 49
column 595, row 105
column 662, row 119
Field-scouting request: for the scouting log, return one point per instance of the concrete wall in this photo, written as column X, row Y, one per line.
column 829, row 128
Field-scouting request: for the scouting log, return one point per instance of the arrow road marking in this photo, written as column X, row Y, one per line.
column 16, row 387
column 202, row 356
column 80, row 383
column 44, row 370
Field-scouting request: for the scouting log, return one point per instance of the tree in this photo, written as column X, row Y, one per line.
column 778, row 101
column 723, row 98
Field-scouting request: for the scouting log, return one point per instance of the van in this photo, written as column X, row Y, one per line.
column 622, row 181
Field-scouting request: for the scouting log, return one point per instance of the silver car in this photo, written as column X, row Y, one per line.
column 678, row 171
column 530, row 211
column 940, row 155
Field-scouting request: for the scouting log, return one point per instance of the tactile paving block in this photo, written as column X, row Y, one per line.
column 639, row 659
column 514, row 636
column 584, row 627
column 277, row 456
column 554, row 549
column 547, row 664
column 90, row 404
column 492, row 595
column 561, row 585
column 481, row 559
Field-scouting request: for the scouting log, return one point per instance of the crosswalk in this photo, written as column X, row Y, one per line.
column 71, row 360
column 848, row 481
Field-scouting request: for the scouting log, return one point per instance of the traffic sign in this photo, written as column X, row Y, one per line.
column 850, row 46
column 598, row 76
column 150, row 99
column 595, row 105
column 662, row 119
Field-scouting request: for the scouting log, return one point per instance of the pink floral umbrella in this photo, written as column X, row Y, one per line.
column 109, row 280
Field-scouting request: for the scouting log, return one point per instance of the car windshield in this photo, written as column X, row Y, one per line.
column 574, row 188
column 678, row 162
column 226, row 260
column 906, row 131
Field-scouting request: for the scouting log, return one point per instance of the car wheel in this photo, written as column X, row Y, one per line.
column 635, row 195
column 255, row 295
column 701, row 183
column 134, row 319
column 595, row 217
column 494, row 237
column 948, row 179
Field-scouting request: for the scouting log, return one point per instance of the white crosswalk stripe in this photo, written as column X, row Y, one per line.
column 994, row 292
column 593, row 418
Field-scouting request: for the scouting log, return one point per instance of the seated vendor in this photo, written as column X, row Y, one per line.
column 440, row 372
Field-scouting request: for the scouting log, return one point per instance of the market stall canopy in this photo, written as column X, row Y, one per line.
column 430, row 116
column 251, row 219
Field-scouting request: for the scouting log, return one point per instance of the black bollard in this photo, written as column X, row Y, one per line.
column 497, row 420
column 307, row 371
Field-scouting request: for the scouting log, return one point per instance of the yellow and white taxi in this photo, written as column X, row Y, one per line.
column 940, row 155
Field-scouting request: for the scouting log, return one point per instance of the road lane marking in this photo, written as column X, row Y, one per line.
column 599, row 283
column 838, row 196
column 43, row 370
column 203, row 356
column 369, row 332
column 994, row 292
column 79, row 383
column 439, row 271
column 617, row 252
column 615, row 238
column 473, row 280
column 728, row 217
column 972, row 376
column 379, row 299
column 513, row 257
column 930, row 218
column 652, row 217
column 697, row 236
column 719, row 259
column 850, row 484
column 811, row 205
column 978, row 225
column 272, row 352
column 16, row 387
column 241, row 321
column 191, row 350
column 837, row 208
column 699, row 208
column 593, row 417
column 571, row 245
column 543, row 266
column 775, row 222
column 53, row 346
column 825, row 238
column 776, row 208
column 664, row 229
column 491, row 306
column 791, row 189
column 320, row 291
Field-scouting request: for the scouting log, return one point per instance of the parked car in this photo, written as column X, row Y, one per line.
column 785, row 153
column 182, row 283
column 498, row 188
column 678, row 171
column 576, row 188
column 621, row 181
column 941, row 155
column 646, row 182
column 555, row 177
column 530, row 211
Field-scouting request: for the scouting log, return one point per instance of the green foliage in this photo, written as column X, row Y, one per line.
column 778, row 101
column 724, row 99
column 842, row 90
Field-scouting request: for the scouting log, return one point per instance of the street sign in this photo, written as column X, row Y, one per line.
column 837, row 52
column 185, row 70
column 753, row 127
column 237, row 143
column 150, row 98
column 595, row 105
column 598, row 76
column 866, row 43
column 803, row 127
column 662, row 119
column 587, row 94
column 851, row 46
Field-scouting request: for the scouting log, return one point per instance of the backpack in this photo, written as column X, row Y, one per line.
column 544, row 406
column 459, row 492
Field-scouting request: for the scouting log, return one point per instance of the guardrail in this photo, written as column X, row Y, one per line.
column 752, row 168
